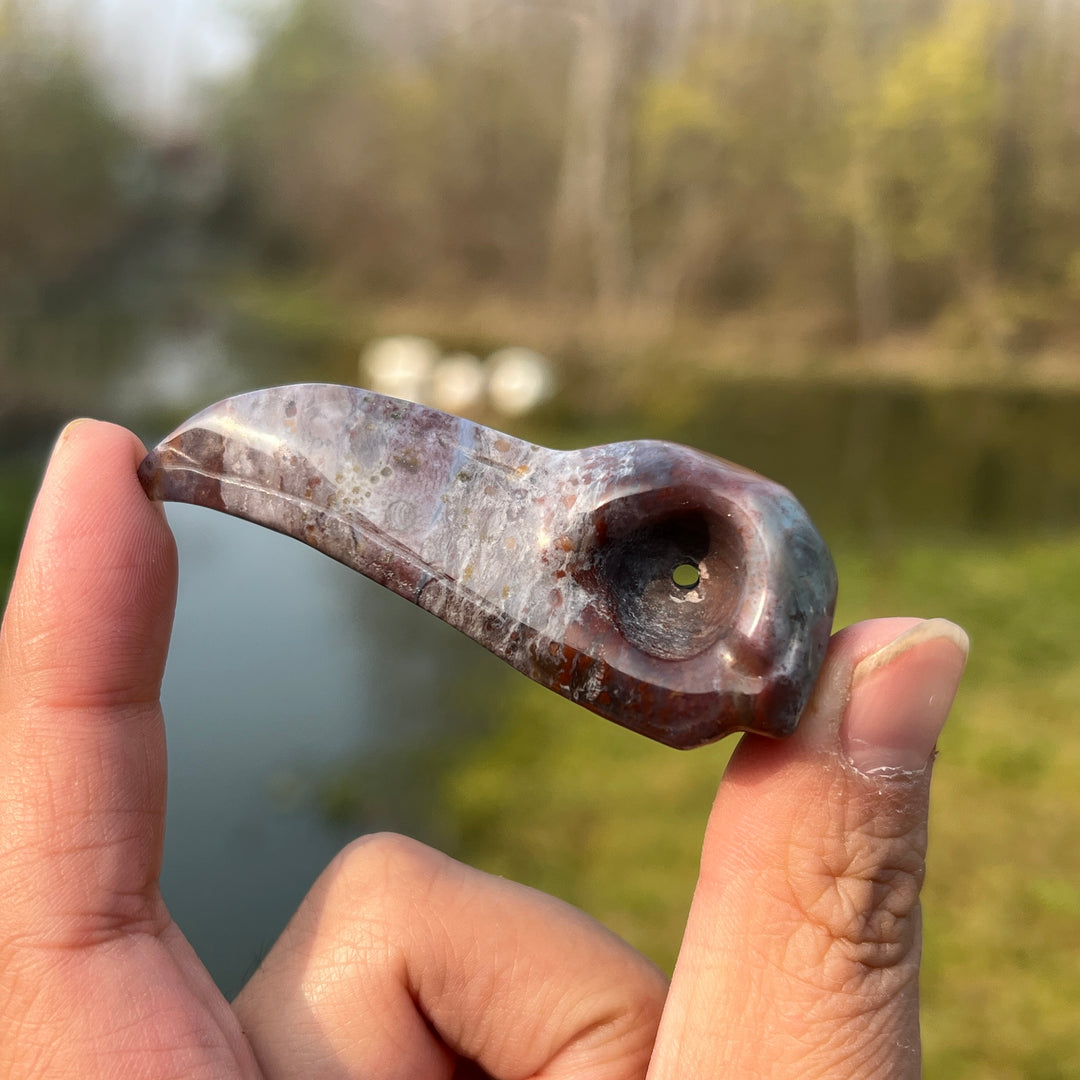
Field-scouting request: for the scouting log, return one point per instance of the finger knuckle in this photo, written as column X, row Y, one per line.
column 374, row 887
column 385, row 864
column 858, row 891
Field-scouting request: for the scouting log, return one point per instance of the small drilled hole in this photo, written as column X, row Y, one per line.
column 686, row 575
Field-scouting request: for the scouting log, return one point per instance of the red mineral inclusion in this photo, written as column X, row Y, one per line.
column 676, row 594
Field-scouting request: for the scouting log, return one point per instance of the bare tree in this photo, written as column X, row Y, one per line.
column 591, row 229
column 850, row 46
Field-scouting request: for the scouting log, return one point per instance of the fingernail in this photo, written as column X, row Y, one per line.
column 66, row 433
column 900, row 697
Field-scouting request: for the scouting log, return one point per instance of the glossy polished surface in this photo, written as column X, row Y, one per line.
column 674, row 593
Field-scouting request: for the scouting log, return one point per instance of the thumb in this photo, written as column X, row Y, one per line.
column 802, row 948
column 82, row 652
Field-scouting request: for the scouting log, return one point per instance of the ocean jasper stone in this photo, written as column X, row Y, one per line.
column 674, row 593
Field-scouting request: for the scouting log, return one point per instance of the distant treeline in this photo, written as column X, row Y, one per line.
column 892, row 166
column 893, row 162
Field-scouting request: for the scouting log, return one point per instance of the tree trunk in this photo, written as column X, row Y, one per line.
column 590, row 253
column 872, row 262
column 871, row 257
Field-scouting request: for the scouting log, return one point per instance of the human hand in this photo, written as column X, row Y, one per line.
column 801, row 952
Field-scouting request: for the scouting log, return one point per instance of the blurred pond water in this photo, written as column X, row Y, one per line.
column 283, row 664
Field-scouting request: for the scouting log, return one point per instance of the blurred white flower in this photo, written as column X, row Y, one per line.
column 515, row 379
column 457, row 383
column 519, row 379
column 400, row 366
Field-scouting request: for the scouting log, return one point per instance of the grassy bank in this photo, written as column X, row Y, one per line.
column 625, row 353
column 574, row 806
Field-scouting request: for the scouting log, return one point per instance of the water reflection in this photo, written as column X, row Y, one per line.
column 178, row 368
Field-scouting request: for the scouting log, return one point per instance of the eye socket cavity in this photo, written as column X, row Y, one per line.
column 664, row 567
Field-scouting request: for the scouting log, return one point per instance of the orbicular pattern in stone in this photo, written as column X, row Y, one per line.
column 674, row 593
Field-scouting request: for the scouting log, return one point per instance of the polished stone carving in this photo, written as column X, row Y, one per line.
column 674, row 593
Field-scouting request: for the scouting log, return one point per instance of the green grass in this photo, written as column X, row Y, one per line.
column 570, row 804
